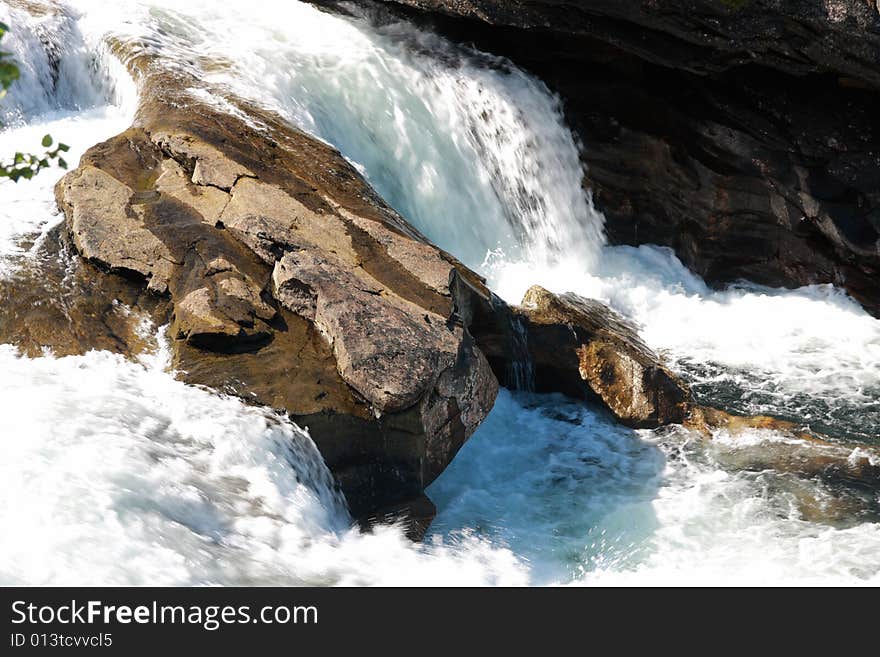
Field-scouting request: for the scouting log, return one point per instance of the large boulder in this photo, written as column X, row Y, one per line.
column 743, row 134
column 288, row 282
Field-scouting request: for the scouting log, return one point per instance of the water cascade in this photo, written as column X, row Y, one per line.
column 102, row 455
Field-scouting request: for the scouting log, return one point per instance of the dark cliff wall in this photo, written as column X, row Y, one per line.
column 703, row 36
column 743, row 134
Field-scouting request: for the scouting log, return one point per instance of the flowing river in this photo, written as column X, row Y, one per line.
column 113, row 472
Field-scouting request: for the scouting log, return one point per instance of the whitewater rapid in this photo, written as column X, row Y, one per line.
column 113, row 472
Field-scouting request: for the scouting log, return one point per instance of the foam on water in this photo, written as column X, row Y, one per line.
column 586, row 501
column 113, row 472
column 71, row 88
column 54, row 66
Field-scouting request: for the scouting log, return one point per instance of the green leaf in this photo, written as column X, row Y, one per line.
column 63, row 147
column 47, row 141
column 8, row 73
column 62, row 162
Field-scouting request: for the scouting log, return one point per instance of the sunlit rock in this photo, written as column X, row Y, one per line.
column 290, row 283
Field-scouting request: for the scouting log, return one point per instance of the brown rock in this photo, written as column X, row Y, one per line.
column 56, row 300
column 590, row 347
column 289, row 283
column 370, row 330
column 123, row 243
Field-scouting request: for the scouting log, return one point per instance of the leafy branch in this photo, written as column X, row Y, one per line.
column 8, row 69
column 25, row 165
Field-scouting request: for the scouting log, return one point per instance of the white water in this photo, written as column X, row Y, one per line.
column 113, row 472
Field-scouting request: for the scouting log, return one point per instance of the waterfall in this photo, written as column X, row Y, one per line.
column 521, row 374
column 501, row 179
column 113, row 472
column 58, row 71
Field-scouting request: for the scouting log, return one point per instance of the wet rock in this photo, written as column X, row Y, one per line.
column 761, row 442
column 414, row 516
column 586, row 346
column 52, row 299
column 288, row 282
column 576, row 346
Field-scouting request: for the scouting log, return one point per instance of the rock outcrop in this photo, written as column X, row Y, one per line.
column 743, row 134
column 576, row 346
column 581, row 343
column 580, row 347
column 288, row 282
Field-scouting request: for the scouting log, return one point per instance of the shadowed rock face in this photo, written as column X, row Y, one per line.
column 289, row 283
column 704, row 36
column 743, row 134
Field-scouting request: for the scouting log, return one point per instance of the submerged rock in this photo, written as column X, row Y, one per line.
column 52, row 299
column 762, row 442
column 289, row 283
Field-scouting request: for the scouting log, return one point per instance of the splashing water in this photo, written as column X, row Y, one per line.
column 113, row 472
column 503, row 173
